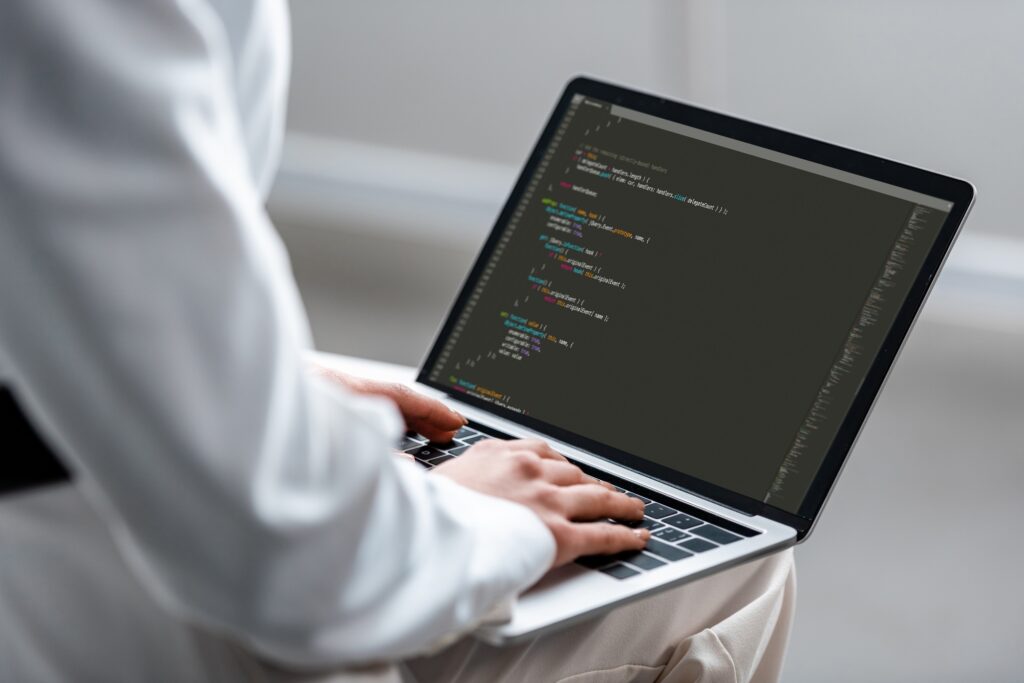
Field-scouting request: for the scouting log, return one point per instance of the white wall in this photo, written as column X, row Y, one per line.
column 933, row 82
column 464, row 78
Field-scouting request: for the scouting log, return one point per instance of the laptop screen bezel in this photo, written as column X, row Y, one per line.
column 960, row 193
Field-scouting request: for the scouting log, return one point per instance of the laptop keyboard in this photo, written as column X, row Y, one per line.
column 675, row 535
column 432, row 454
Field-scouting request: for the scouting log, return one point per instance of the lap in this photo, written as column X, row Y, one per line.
column 732, row 626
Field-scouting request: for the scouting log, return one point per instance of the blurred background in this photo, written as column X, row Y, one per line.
column 408, row 124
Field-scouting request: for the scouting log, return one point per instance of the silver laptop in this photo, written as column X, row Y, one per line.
column 698, row 309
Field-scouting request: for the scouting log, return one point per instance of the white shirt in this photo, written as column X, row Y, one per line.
column 150, row 324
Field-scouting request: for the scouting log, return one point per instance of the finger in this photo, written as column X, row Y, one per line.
column 602, row 483
column 603, row 538
column 541, row 448
column 567, row 473
column 400, row 454
column 563, row 473
column 423, row 414
column 334, row 375
column 591, row 501
column 545, row 451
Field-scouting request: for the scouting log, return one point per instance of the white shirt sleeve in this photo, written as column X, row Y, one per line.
column 151, row 325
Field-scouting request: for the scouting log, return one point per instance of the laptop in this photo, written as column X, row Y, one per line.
column 698, row 309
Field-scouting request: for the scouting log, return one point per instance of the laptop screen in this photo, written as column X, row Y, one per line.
column 703, row 304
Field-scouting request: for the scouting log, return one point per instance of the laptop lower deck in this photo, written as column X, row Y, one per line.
column 676, row 535
column 692, row 537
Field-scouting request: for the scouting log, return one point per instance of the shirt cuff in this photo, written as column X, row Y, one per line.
column 512, row 550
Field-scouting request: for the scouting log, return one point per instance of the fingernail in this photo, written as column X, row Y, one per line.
column 642, row 534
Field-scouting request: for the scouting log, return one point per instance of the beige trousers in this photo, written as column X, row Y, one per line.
column 732, row 626
column 72, row 611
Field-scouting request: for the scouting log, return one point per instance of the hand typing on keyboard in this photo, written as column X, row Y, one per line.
column 422, row 414
column 574, row 506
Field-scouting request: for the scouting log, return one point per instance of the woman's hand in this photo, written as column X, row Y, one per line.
column 422, row 414
column 574, row 506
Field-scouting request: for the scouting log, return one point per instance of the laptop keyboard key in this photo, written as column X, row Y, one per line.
column 646, row 523
column 425, row 452
column 409, row 442
column 595, row 561
column 657, row 510
column 682, row 521
column 650, row 524
column 458, row 450
column 638, row 496
column 440, row 459
column 643, row 561
column 620, row 571
column 475, row 437
column 669, row 534
column 465, row 432
column 669, row 552
column 713, row 533
column 698, row 545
